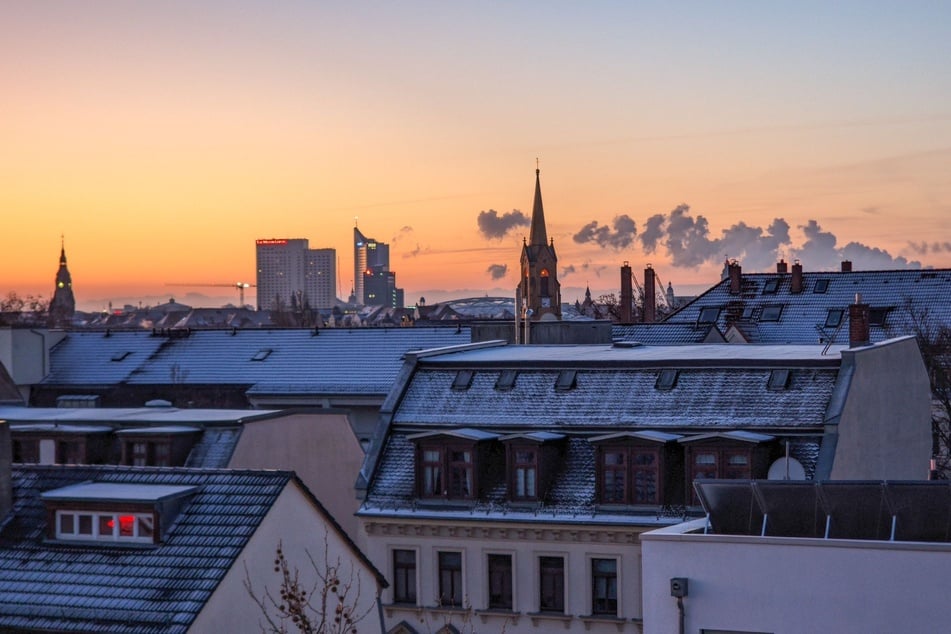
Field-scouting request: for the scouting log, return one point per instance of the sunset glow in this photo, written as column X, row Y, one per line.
column 163, row 139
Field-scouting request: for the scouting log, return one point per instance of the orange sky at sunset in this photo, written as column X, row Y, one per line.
column 162, row 139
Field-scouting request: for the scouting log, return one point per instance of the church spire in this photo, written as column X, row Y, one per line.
column 63, row 304
column 538, row 235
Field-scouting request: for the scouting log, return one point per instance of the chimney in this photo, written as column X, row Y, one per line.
column 846, row 266
column 627, row 294
column 781, row 266
column 6, row 470
column 858, row 323
column 795, row 284
column 650, row 295
column 736, row 278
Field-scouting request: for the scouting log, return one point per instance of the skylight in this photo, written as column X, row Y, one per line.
column 778, row 380
column 463, row 380
column 834, row 318
column 771, row 286
column 822, row 285
column 261, row 354
column 567, row 379
column 666, row 379
column 771, row 313
column 877, row 316
column 506, row 380
column 119, row 356
column 708, row 315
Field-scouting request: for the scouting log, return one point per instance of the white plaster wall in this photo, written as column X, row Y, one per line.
column 791, row 586
column 320, row 448
column 298, row 526
column 577, row 550
column 24, row 352
column 885, row 428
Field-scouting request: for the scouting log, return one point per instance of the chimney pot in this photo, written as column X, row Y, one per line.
column 736, row 278
column 846, row 266
column 650, row 296
column 781, row 266
column 627, row 294
column 795, row 284
column 858, row 323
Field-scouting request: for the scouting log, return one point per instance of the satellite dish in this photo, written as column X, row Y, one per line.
column 786, row 469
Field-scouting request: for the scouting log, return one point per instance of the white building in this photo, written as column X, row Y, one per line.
column 289, row 271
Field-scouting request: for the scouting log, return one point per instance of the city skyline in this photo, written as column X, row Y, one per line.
column 163, row 140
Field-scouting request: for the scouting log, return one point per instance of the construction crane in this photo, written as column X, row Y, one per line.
column 238, row 285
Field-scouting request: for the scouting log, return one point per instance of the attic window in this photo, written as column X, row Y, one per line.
column 463, row 380
column 834, row 318
column 666, row 380
column 708, row 315
column 261, row 354
column 821, row 286
column 506, row 380
column 566, row 380
column 108, row 526
column 119, row 356
column 771, row 286
column 778, row 380
column 747, row 313
column 771, row 313
column 877, row 316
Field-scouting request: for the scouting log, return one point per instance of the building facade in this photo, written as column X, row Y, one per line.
column 291, row 274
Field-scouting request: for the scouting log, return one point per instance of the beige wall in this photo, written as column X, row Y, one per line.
column 790, row 586
column 24, row 352
column 297, row 525
column 578, row 544
column 320, row 448
column 885, row 426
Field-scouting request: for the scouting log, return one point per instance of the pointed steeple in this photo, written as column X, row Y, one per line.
column 63, row 304
column 538, row 235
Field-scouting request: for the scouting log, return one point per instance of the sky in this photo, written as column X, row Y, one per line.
column 159, row 140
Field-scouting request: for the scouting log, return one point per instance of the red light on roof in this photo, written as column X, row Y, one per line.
column 270, row 242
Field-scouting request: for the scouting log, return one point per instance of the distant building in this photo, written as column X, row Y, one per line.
column 374, row 284
column 291, row 274
column 538, row 287
column 63, row 305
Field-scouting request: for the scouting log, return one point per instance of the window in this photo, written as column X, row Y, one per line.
column 771, row 286
column 834, row 318
column 119, row 356
column 551, row 595
column 261, row 354
column 450, row 579
column 543, row 290
column 778, row 380
column 604, row 586
column 463, row 380
column 80, row 525
column 567, row 380
column 822, row 285
column 708, row 315
column 524, row 473
column 506, row 380
column 26, row 451
column 666, row 380
column 771, row 313
column 146, row 453
column 70, row 452
column 460, row 473
column 877, row 316
column 432, row 470
column 500, row 582
column 732, row 463
column 630, row 475
column 404, row 576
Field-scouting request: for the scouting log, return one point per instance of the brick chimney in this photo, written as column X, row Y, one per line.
column 781, row 266
column 650, row 295
column 858, row 323
column 846, row 266
column 627, row 294
column 795, row 284
column 6, row 470
column 736, row 278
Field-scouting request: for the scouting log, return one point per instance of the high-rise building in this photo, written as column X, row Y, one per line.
column 371, row 265
column 292, row 274
column 538, row 285
column 63, row 304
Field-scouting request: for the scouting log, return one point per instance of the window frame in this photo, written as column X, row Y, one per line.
column 834, row 317
column 553, row 575
column 446, row 571
column 604, row 605
column 627, row 470
column 705, row 311
column 518, row 489
column 771, row 313
column 97, row 519
column 506, row 578
column 405, row 577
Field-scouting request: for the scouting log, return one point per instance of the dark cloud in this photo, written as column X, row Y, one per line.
column 497, row 271
column 403, row 233
column 568, row 270
column 494, row 226
column 623, row 234
column 924, row 248
column 653, row 233
column 414, row 253
column 819, row 252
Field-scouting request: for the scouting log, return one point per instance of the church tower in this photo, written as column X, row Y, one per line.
column 538, row 286
column 63, row 304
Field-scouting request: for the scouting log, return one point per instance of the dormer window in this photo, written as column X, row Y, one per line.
column 567, row 380
column 463, row 380
column 731, row 455
column 165, row 446
column 666, row 380
column 632, row 467
column 451, row 464
column 531, row 460
column 113, row 511
column 778, row 380
column 506, row 380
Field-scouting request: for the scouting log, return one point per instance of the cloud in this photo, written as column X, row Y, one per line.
column 924, row 248
column 625, row 230
column 404, row 232
column 494, row 226
column 497, row 271
column 568, row 270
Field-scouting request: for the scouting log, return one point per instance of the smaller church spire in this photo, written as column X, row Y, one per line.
column 538, row 234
